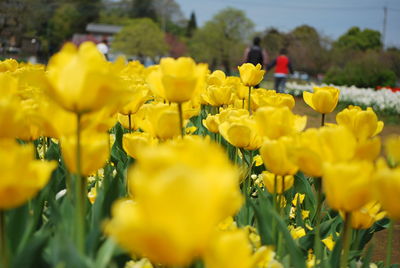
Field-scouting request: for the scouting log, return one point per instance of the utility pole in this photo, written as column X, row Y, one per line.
column 384, row 26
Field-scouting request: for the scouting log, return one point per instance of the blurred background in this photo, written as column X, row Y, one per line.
column 345, row 42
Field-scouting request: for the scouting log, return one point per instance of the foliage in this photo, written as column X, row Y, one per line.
column 142, row 37
column 367, row 71
column 307, row 50
column 221, row 40
column 192, row 25
column 355, row 39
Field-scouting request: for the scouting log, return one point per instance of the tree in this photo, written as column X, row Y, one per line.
column 142, row 37
column 308, row 50
column 143, row 9
column 192, row 25
column 355, row 39
column 221, row 40
column 273, row 41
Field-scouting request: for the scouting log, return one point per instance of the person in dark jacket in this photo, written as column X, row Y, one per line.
column 255, row 54
column 283, row 67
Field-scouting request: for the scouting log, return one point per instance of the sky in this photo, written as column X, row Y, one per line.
column 332, row 18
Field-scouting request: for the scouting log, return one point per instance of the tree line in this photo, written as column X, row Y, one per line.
column 155, row 28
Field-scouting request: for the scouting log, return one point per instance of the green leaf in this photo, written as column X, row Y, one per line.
column 105, row 254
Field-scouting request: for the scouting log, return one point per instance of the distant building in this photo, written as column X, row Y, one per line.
column 96, row 33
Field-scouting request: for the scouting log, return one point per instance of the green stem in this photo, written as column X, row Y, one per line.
column 3, row 243
column 130, row 122
column 235, row 156
column 322, row 120
column 243, row 103
column 346, row 236
column 389, row 244
column 80, row 192
column 249, row 100
column 317, row 219
column 181, row 119
column 250, row 171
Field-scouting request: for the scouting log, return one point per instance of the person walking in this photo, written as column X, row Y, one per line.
column 283, row 67
column 255, row 54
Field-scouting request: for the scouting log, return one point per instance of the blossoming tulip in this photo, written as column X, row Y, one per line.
column 323, row 100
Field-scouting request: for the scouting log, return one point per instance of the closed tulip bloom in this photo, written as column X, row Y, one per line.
column 387, row 184
column 277, row 100
column 347, row 185
column 232, row 249
column 160, row 121
column 323, row 100
column 134, row 143
column 365, row 217
column 275, row 155
column 191, row 108
column 251, row 75
column 11, row 117
column 369, row 149
column 211, row 123
column 8, row 65
column 283, row 183
column 139, row 96
column 241, row 132
column 81, row 80
column 124, row 121
column 94, row 151
column 392, row 148
column 363, row 124
column 22, row 177
column 178, row 80
column 329, row 144
column 166, row 222
column 274, row 123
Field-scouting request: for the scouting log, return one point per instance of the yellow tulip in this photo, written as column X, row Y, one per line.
column 271, row 98
column 283, row 183
column 251, row 75
column 191, row 108
column 387, row 185
column 94, row 151
column 8, row 65
column 124, row 121
column 21, row 175
column 160, row 120
column 392, row 148
column 139, row 96
column 323, row 100
column 241, row 132
column 232, row 249
column 329, row 242
column 166, row 222
column 11, row 117
column 142, row 263
column 133, row 143
column 328, row 144
column 220, row 89
column 297, row 232
column 347, row 185
column 274, row 123
column 275, row 154
column 92, row 195
column 368, row 149
column 365, row 217
column 211, row 123
column 363, row 124
column 82, row 81
column 178, row 80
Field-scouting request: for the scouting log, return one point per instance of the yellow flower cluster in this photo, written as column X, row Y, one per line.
column 184, row 190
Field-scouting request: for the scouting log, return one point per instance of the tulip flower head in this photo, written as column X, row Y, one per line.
column 323, row 100
column 250, row 74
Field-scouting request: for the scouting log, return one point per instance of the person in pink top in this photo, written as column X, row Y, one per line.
column 283, row 67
